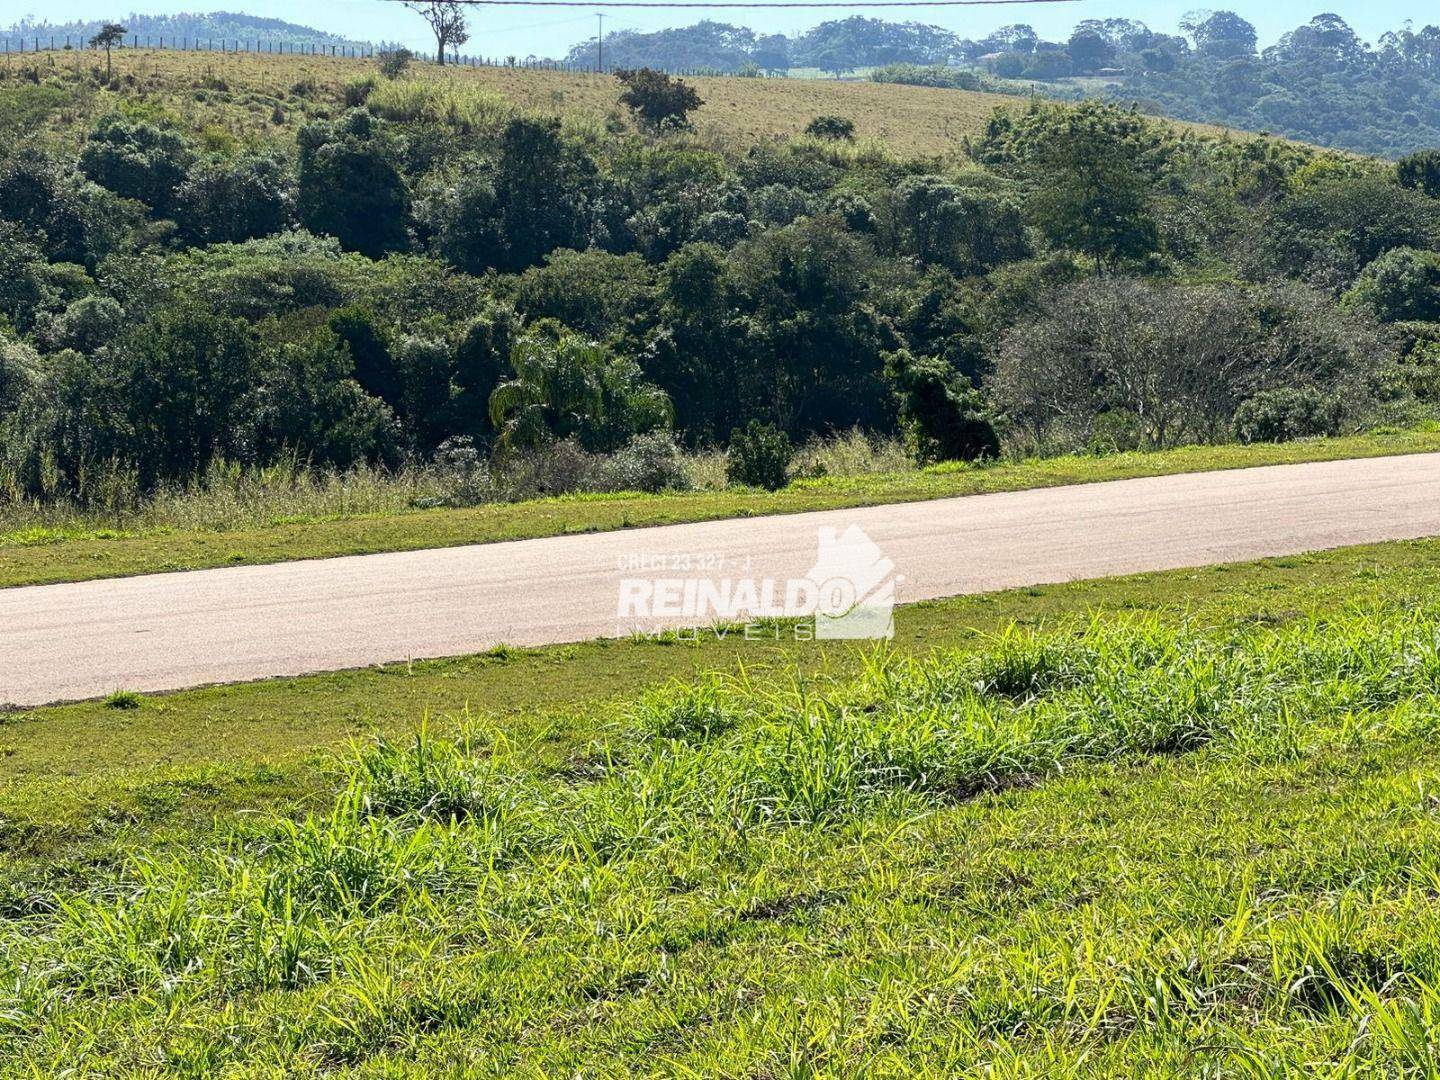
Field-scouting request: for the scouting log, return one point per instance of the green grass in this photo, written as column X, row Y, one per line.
column 1181, row 823
column 41, row 556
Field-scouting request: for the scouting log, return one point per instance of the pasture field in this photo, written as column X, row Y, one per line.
column 256, row 520
column 1173, row 824
column 249, row 98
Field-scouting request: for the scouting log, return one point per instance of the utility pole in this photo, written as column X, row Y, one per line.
column 600, row 44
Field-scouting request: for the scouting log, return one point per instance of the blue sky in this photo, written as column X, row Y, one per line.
column 551, row 31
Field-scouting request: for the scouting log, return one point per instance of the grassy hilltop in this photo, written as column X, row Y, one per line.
column 249, row 97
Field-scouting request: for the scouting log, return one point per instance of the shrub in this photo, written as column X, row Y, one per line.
column 1420, row 171
column 940, row 410
column 651, row 462
column 237, row 200
column 395, row 62
column 464, row 472
column 87, row 324
column 777, row 204
column 1285, row 414
column 350, row 186
column 138, row 160
column 560, row 468
column 1115, row 431
column 831, row 127
column 1402, row 284
column 759, row 456
column 358, row 91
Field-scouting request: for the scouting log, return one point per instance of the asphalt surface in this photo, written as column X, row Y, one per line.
column 167, row 631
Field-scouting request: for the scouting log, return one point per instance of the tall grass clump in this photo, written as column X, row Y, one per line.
column 463, row 106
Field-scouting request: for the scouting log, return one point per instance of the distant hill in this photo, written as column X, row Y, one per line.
column 837, row 45
column 216, row 25
column 1320, row 83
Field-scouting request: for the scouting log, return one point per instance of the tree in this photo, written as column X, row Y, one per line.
column 563, row 387
column 138, row 160
column 1175, row 361
column 542, row 191
column 22, row 284
column 1221, row 34
column 229, row 201
column 655, row 98
column 1420, row 171
column 965, row 230
column 1092, row 193
column 939, row 410
column 307, row 403
column 808, row 351
column 1329, row 229
column 110, row 35
column 74, row 220
column 350, row 186
column 1089, row 51
column 1402, row 284
column 18, row 374
column 593, row 291
column 447, row 23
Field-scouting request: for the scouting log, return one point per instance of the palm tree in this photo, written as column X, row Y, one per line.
column 571, row 386
column 554, row 390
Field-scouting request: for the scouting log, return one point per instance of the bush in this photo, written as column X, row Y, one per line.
column 560, row 468
column 464, row 472
column 350, row 186
column 1421, row 172
column 87, row 324
column 651, row 462
column 759, row 456
column 1282, row 415
column 138, row 160
column 357, row 91
column 940, row 410
column 237, row 200
column 1403, row 284
column 831, row 127
column 1116, row 431
column 395, row 62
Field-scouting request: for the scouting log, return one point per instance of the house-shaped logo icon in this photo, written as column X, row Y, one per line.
column 855, row 587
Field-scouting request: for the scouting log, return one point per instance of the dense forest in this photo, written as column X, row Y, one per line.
column 584, row 299
column 1319, row 83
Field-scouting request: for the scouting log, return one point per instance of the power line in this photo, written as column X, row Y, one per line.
column 536, row 26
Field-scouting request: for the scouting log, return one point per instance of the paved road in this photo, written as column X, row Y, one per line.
column 166, row 631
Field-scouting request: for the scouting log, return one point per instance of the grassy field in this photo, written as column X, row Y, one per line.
column 1174, row 824
column 87, row 549
column 248, row 98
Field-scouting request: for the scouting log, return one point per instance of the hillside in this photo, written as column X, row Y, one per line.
column 430, row 278
column 245, row 94
column 1319, row 83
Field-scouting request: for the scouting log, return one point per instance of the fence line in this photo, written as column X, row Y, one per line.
column 29, row 46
